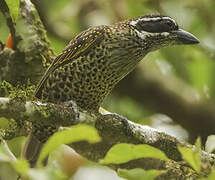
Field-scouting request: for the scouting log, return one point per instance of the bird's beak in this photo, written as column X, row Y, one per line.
column 185, row 37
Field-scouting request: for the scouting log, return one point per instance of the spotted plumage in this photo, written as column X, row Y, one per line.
column 97, row 59
column 87, row 70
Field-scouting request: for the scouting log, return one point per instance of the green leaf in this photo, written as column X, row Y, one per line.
column 21, row 166
column 4, row 157
column 192, row 157
column 122, row 153
column 139, row 174
column 3, row 123
column 73, row 134
column 211, row 175
column 13, row 6
column 210, row 144
column 47, row 173
column 198, row 144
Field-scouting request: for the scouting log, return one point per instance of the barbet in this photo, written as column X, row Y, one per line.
column 98, row 58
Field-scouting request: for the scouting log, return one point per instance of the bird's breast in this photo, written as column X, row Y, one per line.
column 89, row 78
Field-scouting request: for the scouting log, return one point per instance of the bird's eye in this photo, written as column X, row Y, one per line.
column 164, row 25
column 169, row 23
column 172, row 25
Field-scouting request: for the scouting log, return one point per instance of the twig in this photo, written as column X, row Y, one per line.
column 5, row 10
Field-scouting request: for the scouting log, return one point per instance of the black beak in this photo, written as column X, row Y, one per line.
column 185, row 37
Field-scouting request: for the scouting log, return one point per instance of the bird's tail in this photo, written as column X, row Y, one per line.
column 32, row 149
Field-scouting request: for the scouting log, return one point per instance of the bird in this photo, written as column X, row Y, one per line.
column 97, row 59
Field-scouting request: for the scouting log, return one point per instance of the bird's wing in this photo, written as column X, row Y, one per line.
column 80, row 45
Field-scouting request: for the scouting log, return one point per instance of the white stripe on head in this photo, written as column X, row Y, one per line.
column 143, row 34
column 133, row 23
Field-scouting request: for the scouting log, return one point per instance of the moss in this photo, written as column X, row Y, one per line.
column 45, row 112
column 24, row 92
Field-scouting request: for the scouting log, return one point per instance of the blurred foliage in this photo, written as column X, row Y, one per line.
column 127, row 107
column 4, row 31
column 193, row 65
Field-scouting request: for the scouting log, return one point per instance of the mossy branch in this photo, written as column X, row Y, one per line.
column 112, row 128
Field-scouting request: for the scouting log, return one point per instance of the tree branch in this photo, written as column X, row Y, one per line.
column 112, row 128
column 162, row 96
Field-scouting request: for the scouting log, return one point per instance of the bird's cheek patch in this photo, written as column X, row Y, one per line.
column 144, row 35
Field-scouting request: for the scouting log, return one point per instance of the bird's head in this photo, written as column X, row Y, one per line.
column 157, row 31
